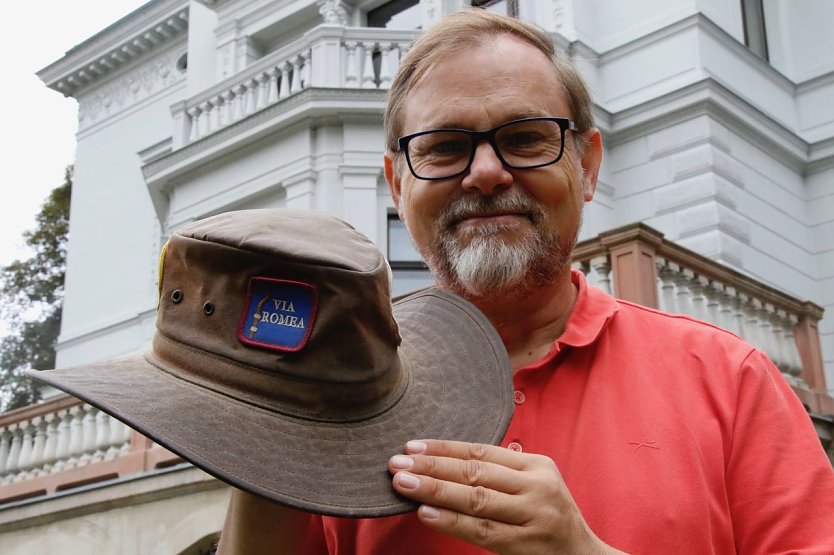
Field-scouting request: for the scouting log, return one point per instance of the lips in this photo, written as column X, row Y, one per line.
column 512, row 204
column 462, row 218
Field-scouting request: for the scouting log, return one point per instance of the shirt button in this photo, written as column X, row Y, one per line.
column 519, row 397
column 515, row 446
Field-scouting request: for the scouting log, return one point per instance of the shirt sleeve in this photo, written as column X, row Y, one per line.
column 780, row 481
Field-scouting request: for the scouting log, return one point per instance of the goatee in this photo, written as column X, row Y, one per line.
column 479, row 261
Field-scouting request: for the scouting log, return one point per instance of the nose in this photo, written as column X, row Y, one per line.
column 487, row 175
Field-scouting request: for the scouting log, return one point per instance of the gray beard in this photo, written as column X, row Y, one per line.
column 479, row 262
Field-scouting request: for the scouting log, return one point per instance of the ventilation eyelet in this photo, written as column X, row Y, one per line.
column 208, row 309
column 177, row 296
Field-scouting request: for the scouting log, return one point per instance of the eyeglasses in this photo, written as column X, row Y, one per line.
column 520, row 144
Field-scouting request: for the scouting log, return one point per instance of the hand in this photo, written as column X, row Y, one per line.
column 501, row 500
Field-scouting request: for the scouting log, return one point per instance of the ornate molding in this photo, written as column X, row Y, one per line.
column 128, row 89
column 146, row 30
column 334, row 12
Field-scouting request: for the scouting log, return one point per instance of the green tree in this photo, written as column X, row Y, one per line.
column 31, row 299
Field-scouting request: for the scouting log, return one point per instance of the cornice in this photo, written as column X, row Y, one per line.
column 709, row 97
column 152, row 26
column 715, row 98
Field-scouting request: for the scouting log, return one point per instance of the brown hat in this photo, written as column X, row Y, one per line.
column 280, row 366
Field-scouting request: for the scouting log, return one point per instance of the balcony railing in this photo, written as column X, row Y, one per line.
column 63, row 443
column 636, row 263
column 328, row 56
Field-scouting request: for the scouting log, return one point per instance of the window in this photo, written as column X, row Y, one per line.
column 504, row 7
column 397, row 14
column 753, row 20
column 410, row 272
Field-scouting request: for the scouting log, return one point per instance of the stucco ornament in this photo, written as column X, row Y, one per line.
column 333, row 12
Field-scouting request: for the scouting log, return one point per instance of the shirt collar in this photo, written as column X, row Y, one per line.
column 591, row 312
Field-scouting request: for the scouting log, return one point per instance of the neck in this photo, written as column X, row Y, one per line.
column 529, row 324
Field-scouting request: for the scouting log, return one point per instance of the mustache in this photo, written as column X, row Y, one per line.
column 511, row 202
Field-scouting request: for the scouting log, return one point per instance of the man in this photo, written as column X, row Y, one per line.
column 634, row 430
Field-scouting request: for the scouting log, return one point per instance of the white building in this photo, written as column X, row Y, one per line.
column 718, row 125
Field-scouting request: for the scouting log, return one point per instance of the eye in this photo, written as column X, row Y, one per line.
column 522, row 139
column 441, row 144
column 449, row 147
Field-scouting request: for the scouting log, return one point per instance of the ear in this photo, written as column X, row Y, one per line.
column 392, row 176
column 591, row 160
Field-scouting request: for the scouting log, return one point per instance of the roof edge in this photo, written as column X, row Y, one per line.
column 145, row 29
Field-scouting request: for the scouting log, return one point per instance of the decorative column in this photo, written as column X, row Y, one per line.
column 601, row 268
column 13, row 458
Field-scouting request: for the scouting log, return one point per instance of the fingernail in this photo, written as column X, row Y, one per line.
column 429, row 512
column 401, row 462
column 416, row 446
column 408, row 481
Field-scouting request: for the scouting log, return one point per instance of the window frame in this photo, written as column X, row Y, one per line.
column 755, row 30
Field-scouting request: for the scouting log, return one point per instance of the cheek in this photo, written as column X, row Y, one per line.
column 417, row 209
column 424, row 200
column 556, row 187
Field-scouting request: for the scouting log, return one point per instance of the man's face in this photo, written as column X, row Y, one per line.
column 494, row 230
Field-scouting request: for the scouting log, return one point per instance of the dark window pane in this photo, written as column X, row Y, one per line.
column 400, row 247
column 397, row 14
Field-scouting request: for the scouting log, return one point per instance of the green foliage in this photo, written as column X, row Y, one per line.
column 31, row 297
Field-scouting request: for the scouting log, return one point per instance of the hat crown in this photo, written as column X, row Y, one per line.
column 290, row 310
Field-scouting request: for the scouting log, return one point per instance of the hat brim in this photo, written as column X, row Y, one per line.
column 459, row 387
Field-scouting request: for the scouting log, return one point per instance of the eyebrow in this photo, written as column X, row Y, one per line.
column 456, row 123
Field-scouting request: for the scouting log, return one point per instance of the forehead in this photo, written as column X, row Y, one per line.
column 483, row 86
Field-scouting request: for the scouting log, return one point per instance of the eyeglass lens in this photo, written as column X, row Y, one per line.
column 522, row 144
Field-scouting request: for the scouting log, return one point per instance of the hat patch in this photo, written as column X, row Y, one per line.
column 279, row 314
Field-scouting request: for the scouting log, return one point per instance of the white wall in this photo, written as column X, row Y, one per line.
column 800, row 37
column 114, row 236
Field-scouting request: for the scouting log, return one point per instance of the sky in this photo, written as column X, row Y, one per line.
column 39, row 124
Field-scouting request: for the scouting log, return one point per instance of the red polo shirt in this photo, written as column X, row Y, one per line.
column 673, row 436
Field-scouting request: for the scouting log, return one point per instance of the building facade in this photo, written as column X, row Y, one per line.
column 718, row 129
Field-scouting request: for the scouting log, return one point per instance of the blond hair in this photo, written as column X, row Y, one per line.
column 468, row 29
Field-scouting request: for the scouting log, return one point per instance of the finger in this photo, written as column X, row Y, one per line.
column 471, row 472
column 477, row 501
column 468, row 451
column 474, row 530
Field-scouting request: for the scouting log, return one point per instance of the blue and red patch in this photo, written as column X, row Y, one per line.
column 279, row 314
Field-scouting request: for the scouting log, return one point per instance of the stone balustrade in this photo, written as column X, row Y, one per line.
column 328, row 56
column 636, row 263
column 250, row 92
column 61, row 443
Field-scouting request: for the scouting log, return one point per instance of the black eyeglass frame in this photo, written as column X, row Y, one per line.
column 564, row 124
